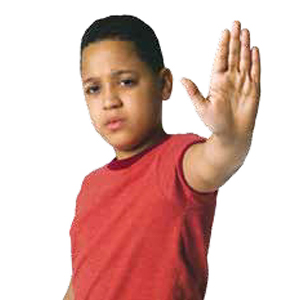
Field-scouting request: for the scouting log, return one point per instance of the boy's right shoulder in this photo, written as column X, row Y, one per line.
column 94, row 173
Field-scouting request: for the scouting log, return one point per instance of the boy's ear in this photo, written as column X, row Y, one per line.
column 166, row 82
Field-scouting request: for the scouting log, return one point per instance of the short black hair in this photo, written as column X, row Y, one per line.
column 126, row 28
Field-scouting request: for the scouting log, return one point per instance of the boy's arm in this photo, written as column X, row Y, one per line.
column 70, row 294
column 208, row 165
column 229, row 111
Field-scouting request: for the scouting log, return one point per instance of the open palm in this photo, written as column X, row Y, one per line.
column 231, row 106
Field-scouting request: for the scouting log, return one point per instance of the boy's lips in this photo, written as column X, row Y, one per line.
column 113, row 119
column 114, row 123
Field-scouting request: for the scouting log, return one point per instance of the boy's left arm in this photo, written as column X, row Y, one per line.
column 229, row 111
column 207, row 166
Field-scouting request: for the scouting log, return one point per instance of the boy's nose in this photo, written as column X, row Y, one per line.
column 111, row 97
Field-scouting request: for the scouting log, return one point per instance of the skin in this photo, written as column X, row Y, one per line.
column 136, row 97
column 231, row 107
column 229, row 111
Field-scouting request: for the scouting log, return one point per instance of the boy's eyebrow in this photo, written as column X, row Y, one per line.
column 113, row 73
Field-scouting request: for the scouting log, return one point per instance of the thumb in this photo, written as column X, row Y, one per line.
column 192, row 90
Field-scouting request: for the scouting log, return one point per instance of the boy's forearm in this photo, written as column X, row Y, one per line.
column 69, row 294
column 226, row 156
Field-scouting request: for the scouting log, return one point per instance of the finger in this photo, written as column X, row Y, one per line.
column 221, row 59
column 234, row 47
column 193, row 91
column 245, row 53
column 255, row 68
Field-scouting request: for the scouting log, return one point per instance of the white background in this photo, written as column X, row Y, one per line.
column 48, row 143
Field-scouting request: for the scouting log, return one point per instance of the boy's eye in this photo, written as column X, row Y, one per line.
column 89, row 88
column 127, row 82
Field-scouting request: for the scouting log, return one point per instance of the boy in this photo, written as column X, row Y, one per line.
column 143, row 221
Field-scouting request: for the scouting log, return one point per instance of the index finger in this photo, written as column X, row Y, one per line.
column 221, row 58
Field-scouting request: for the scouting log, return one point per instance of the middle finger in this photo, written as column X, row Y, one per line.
column 234, row 47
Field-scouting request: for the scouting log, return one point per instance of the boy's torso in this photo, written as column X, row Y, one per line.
column 132, row 234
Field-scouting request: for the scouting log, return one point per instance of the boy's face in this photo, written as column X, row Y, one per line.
column 134, row 97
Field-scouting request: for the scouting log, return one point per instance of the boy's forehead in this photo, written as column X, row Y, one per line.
column 110, row 57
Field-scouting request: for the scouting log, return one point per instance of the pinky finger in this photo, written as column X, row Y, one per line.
column 255, row 70
column 255, row 65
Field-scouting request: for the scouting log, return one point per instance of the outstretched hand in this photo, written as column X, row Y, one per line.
column 231, row 106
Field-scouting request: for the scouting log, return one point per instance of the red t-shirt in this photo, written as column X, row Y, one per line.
column 140, row 232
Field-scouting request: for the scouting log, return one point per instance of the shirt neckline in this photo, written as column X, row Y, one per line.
column 117, row 164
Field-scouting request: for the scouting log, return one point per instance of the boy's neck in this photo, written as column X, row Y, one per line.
column 153, row 141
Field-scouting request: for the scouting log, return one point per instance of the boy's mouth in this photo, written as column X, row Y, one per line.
column 113, row 119
column 115, row 124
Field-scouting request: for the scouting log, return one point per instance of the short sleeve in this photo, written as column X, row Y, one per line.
column 194, row 198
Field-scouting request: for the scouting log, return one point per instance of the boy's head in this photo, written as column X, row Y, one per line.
column 113, row 44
